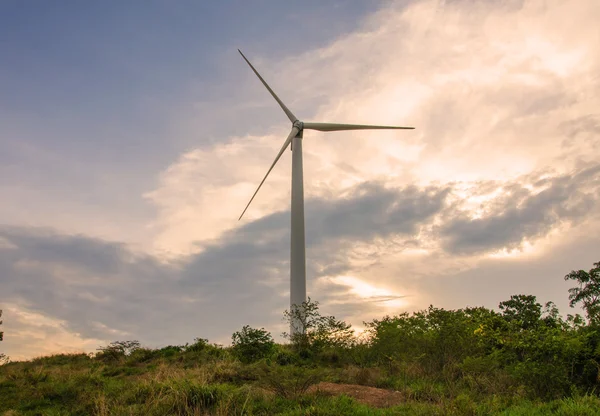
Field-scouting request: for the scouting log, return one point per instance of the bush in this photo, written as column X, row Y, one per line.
column 250, row 344
column 201, row 352
column 142, row 355
column 284, row 357
column 316, row 331
column 169, row 351
column 289, row 382
column 116, row 350
column 199, row 345
column 80, row 359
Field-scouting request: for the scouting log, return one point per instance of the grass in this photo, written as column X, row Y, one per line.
column 212, row 382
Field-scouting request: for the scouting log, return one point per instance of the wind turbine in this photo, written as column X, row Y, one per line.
column 298, row 255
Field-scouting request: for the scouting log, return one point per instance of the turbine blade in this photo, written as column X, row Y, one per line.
column 285, row 145
column 286, row 110
column 339, row 127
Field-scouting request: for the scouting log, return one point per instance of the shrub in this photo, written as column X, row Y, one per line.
column 317, row 331
column 250, row 344
column 142, row 355
column 198, row 345
column 290, row 382
column 170, row 351
column 201, row 352
column 81, row 359
column 116, row 350
column 284, row 357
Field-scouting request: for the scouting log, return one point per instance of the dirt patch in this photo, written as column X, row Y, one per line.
column 371, row 396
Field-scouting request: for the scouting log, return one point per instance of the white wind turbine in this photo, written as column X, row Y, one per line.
column 298, row 255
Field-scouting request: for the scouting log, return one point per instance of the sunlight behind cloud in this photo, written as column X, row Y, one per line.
column 491, row 103
column 29, row 334
column 367, row 291
column 487, row 99
column 203, row 194
column 525, row 250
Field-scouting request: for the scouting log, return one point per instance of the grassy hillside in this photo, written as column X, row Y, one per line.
column 525, row 359
column 209, row 380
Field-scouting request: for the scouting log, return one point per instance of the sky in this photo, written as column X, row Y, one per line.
column 132, row 135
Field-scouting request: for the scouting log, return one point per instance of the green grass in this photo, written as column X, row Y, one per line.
column 213, row 382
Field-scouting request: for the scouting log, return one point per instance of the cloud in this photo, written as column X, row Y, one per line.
column 490, row 101
column 523, row 212
column 494, row 279
column 101, row 290
column 504, row 96
column 99, row 287
column 30, row 334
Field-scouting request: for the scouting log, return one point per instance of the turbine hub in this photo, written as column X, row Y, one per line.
column 299, row 125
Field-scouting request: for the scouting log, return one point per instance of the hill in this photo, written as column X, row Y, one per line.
column 524, row 359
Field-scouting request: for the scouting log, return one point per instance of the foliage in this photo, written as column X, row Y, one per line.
column 199, row 344
column 250, row 344
column 3, row 357
column 319, row 331
column 283, row 356
column 116, row 350
column 587, row 292
column 522, row 311
column 435, row 338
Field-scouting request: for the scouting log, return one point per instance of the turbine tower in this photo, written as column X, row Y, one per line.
column 298, row 256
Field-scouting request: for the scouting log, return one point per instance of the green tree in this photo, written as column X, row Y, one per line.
column 434, row 338
column 319, row 331
column 522, row 310
column 251, row 344
column 587, row 292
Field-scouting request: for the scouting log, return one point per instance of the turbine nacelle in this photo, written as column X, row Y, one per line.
column 298, row 124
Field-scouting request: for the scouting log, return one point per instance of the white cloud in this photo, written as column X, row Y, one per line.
column 202, row 194
column 489, row 86
column 30, row 334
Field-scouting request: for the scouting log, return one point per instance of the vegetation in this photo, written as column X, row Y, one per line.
column 250, row 345
column 587, row 292
column 3, row 358
column 523, row 359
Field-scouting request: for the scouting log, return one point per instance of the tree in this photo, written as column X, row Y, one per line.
column 319, row 331
column 252, row 344
column 435, row 338
column 587, row 292
column 116, row 350
column 3, row 357
column 522, row 310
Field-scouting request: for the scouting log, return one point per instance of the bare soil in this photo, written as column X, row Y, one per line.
column 371, row 396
